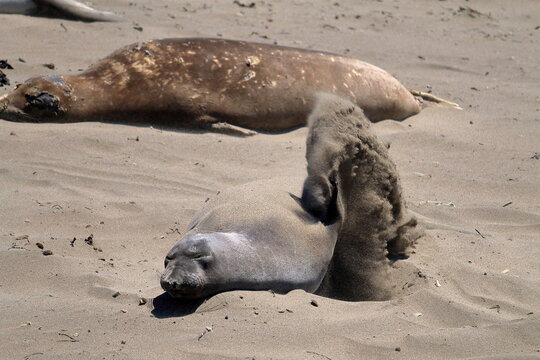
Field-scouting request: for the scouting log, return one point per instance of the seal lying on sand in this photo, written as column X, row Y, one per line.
column 255, row 236
column 261, row 237
column 209, row 83
column 69, row 8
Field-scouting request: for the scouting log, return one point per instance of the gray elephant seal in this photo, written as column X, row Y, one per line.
column 251, row 237
column 332, row 241
column 209, row 83
column 69, row 8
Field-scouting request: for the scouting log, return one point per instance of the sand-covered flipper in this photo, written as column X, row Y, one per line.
column 351, row 180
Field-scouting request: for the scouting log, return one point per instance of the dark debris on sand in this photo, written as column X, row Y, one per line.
column 5, row 65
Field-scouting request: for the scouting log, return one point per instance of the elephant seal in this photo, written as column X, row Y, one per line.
column 259, row 236
column 68, row 8
column 252, row 237
column 214, row 84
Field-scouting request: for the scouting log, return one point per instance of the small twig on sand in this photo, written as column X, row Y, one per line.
column 15, row 246
column 71, row 338
column 204, row 332
column 36, row 353
column 479, row 233
column 316, row 353
column 433, row 98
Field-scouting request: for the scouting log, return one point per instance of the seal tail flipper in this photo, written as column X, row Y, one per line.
column 80, row 10
column 434, row 99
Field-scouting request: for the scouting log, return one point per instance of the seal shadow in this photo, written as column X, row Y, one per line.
column 165, row 306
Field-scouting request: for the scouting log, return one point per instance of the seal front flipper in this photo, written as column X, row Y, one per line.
column 319, row 196
column 229, row 129
column 211, row 123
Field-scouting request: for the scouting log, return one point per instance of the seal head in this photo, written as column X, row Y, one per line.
column 187, row 266
column 38, row 99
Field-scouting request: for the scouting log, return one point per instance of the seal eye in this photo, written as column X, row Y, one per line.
column 199, row 252
column 203, row 260
column 167, row 260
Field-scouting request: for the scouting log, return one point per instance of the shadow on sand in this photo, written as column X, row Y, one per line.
column 165, row 306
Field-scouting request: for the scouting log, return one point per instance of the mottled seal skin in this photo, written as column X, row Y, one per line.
column 251, row 237
column 209, row 83
column 66, row 8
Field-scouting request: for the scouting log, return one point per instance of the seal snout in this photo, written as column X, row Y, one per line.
column 177, row 283
column 186, row 266
column 9, row 109
column 182, row 285
column 4, row 102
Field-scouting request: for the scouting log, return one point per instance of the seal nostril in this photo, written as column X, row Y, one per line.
column 167, row 284
column 187, row 286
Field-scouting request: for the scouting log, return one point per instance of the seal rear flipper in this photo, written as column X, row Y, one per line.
column 407, row 234
column 211, row 123
column 432, row 99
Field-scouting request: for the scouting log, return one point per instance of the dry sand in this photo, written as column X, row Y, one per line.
column 473, row 170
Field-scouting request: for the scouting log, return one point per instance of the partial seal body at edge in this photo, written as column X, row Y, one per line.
column 71, row 9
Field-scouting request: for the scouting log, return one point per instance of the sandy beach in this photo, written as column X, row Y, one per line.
column 107, row 201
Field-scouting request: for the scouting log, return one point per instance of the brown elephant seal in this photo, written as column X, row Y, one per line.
column 66, row 8
column 261, row 237
column 209, row 83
